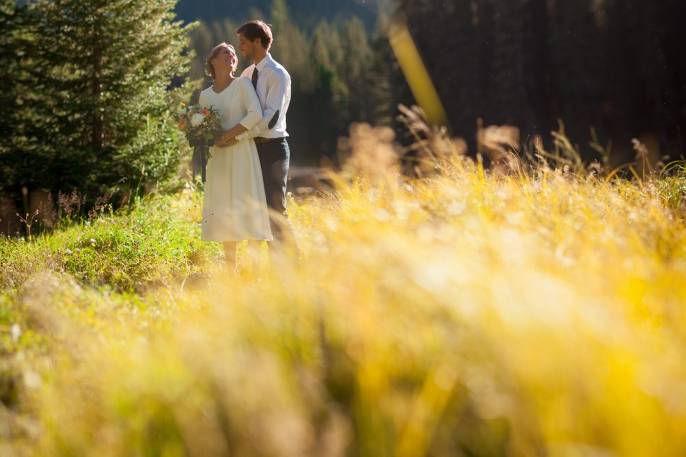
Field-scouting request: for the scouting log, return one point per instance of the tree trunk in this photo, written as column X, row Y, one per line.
column 41, row 200
column 9, row 223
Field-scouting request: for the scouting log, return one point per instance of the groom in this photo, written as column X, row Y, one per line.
column 273, row 86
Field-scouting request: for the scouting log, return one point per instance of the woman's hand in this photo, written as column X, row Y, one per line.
column 223, row 141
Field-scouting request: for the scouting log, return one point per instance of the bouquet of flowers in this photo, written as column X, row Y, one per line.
column 202, row 126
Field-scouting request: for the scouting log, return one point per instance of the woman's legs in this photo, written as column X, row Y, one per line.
column 230, row 254
column 252, row 250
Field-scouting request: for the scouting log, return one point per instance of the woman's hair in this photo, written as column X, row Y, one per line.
column 255, row 30
column 209, row 68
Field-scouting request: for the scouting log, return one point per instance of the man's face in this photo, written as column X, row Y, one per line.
column 246, row 46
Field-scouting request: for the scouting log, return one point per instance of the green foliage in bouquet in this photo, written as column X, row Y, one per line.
column 202, row 126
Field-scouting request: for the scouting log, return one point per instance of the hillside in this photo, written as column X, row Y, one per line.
column 304, row 12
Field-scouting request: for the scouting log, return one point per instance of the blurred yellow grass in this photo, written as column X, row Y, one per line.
column 466, row 314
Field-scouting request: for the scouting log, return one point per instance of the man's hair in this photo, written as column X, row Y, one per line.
column 257, row 30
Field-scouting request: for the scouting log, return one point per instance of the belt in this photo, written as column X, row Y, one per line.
column 261, row 140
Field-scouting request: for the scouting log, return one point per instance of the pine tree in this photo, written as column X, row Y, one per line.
column 12, row 46
column 387, row 87
column 290, row 46
column 203, row 39
column 101, row 72
column 357, row 70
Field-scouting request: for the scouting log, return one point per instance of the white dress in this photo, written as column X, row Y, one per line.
column 234, row 203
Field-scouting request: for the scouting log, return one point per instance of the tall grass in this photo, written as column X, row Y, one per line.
column 151, row 242
column 467, row 313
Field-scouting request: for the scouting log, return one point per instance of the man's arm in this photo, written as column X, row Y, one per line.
column 279, row 84
column 277, row 87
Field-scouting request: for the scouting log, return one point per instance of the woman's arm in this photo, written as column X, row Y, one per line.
column 252, row 106
column 202, row 100
column 253, row 115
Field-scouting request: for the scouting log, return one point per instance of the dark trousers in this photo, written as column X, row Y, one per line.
column 275, row 158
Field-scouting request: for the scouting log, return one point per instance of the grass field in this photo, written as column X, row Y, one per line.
column 464, row 314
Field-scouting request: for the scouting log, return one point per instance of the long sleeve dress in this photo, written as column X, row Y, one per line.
column 234, row 202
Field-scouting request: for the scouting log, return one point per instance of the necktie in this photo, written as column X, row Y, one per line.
column 255, row 76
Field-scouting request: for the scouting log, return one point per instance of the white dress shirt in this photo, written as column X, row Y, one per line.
column 274, row 93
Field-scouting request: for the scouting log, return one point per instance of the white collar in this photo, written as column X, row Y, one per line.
column 260, row 66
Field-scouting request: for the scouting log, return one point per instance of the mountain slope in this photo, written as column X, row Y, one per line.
column 304, row 12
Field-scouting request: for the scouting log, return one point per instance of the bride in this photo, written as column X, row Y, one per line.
column 234, row 202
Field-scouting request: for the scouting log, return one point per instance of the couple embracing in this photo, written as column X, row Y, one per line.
column 245, row 191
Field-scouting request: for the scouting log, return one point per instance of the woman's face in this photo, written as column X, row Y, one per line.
column 224, row 60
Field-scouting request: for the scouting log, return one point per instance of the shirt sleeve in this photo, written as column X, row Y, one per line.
column 252, row 105
column 278, row 86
